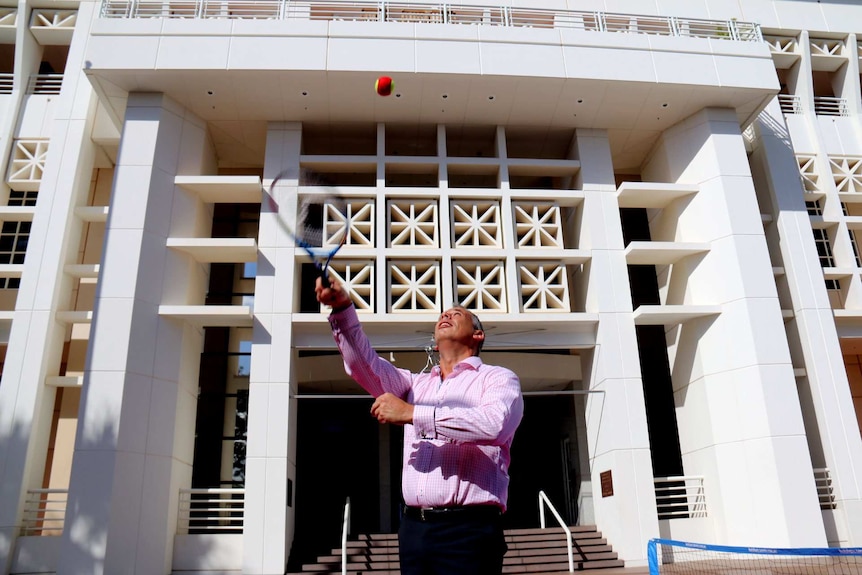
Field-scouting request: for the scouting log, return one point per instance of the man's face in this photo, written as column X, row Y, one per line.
column 455, row 324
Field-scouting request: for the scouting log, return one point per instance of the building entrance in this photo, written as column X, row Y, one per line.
column 343, row 452
column 544, row 458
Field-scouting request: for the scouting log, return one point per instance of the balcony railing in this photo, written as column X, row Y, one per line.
column 790, row 104
column 45, row 84
column 830, row 106
column 44, row 512
column 6, row 83
column 433, row 13
column 680, row 497
column 823, row 481
column 211, row 511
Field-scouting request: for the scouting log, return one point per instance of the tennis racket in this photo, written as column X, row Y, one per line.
column 322, row 219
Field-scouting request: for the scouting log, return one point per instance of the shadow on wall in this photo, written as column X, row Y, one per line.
column 686, row 337
column 13, row 442
column 85, row 530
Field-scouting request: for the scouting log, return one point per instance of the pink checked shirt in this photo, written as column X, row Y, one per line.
column 457, row 450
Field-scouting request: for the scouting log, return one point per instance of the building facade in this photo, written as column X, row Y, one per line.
column 651, row 205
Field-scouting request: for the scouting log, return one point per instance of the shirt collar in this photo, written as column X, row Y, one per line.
column 474, row 362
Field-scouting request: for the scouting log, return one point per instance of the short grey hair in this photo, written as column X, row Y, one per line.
column 477, row 324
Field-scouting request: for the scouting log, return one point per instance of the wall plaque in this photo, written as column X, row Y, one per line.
column 607, row 483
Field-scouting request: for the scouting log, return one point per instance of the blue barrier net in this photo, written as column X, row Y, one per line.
column 669, row 557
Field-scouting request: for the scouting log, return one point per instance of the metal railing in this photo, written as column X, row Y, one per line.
column 211, row 510
column 543, row 500
column 7, row 82
column 44, row 512
column 825, row 493
column 345, row 531
column 45, row 84
column 830, row 106
column 679, row 497
column 433, row 13
column 790, row 104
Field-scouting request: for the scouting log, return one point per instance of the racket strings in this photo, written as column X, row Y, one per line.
column 322, row 222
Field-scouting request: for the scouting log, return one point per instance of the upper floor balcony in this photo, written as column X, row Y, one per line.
column 433, row 13
column 283, row 60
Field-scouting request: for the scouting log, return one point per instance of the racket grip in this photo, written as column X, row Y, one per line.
column 324, row 279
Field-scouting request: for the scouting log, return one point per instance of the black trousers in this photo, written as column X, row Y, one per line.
column 451, row 543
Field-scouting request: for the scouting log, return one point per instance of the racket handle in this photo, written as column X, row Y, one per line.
column 324, row 279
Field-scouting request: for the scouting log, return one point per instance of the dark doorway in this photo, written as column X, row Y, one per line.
column 336, row 458
column 541, row 462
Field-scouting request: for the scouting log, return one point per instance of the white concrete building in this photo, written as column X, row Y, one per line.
column 652, row 205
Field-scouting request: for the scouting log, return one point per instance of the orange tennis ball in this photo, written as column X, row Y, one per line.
column 384, row 85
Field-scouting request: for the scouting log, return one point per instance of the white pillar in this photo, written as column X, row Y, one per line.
column 36, row 340
column 826, row 385
column 134, row 444
column 740, row 422
column 617, row 435
column 271, row 449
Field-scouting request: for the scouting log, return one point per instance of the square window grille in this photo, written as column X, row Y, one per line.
column 413, row 223
column 808, row 173
column 538, row 225
column 357, row 277
column 544, row 286
column 414, row 286
column 480, row 285
column 847, row 174
column 476, row 223
column 27, row 164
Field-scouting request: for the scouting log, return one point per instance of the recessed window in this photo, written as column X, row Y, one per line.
column 243, row 368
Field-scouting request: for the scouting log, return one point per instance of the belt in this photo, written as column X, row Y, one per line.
column 456, row 513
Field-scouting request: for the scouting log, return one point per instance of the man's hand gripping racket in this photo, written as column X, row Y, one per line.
column 322, row 220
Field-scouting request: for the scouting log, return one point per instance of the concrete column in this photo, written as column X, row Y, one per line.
column 36, row 340
column 617, row 435
column 134, row 444
column 271, row 448
column 740, row 422
column 824, row 392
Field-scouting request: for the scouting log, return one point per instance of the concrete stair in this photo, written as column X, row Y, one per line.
column 533, row 551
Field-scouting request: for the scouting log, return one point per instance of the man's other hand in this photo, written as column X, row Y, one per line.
column 389, row 408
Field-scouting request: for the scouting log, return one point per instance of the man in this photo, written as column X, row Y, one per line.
column 459, row 421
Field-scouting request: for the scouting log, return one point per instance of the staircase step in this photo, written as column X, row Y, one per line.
column 560, row 566
column 575, row 529
column 532, row 551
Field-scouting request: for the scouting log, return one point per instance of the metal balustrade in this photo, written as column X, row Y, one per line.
column 825, row 494
column 44, row 512
column 790, row 104
column 45, row 84
column 433, row 13
column 211, row 511
column 7, row 82
column 680, row 497
column 830, row 106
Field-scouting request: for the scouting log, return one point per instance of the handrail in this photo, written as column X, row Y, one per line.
column 7, row 82
column 45, row 84
column 544, row 499
column 830, row 106
column 433, row 13
column 680, row 496
column 825, row 491
column 345, row 529
column 44, row 511
column 211, row 509
column 790, row 103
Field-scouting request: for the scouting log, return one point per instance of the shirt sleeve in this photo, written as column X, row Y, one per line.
column 492, row 422
column 376, row 375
